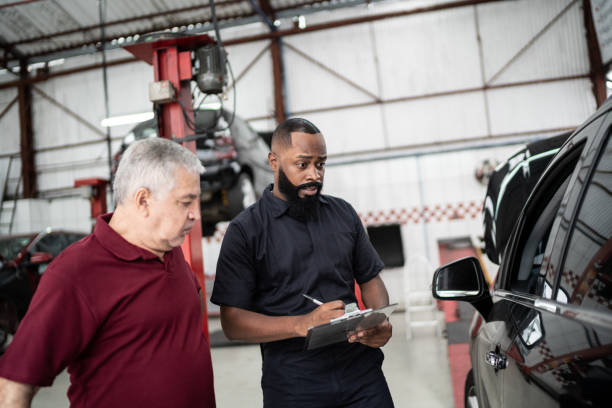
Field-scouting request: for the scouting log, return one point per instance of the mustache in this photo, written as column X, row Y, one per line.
column 310, row 184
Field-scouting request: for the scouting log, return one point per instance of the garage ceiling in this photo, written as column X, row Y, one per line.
column 43, row 30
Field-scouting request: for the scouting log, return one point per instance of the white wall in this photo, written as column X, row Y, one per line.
column 81, row 94
column 400, row 61
column 68, row 213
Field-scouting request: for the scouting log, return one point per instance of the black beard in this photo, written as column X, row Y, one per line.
column 302, row 209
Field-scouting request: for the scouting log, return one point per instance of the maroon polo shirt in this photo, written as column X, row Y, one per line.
column 126, row 324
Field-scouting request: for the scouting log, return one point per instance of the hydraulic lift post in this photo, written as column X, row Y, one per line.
column 96, row 196
column 171, row 60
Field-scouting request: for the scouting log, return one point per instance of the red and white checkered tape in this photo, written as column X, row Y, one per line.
column 588, row 289
column 426, row 214
column 414, row 215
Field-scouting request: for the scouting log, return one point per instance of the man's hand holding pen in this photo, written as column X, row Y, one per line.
column 375, row 337
column 321, row 315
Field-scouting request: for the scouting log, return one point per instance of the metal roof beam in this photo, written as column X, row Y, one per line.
column 10, row 49
column 93, row 46
column 357, row 20
column 90, row 47
column 430, row 95
column 333, row 72
column 531, row 42
column 122, row 21
column 597, row 72
column 18, row 3
column 44, row 77
column 267, row 8
column 26, row 140
column 266, row 16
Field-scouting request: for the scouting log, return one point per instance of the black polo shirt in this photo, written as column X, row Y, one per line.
column 269, row 259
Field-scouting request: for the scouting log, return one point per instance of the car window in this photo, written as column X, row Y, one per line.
column 587, row 269
column 559, row 235
column 533, row 235
column 9, row 248
column 527, row 278
column 55, row 243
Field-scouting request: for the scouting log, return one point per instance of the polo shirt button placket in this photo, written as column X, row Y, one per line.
column 167, row 265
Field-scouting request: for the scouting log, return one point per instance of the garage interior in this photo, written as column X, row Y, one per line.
column 419, row 100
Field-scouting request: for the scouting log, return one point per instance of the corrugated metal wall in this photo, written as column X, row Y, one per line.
column 67, row 110
column 429, row 72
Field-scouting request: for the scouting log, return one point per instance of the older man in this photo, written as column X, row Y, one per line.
column 120, row 308
column 295, row 241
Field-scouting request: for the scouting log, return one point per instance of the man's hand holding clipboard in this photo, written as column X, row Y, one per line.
column 369, row 327
column 376, row 336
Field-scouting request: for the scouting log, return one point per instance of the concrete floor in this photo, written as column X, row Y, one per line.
column 417, row 372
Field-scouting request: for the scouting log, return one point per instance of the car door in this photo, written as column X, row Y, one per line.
column 573, row 361
column 511, row 347
column 499, row 355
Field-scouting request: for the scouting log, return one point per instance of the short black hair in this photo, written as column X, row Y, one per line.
column 282, row 134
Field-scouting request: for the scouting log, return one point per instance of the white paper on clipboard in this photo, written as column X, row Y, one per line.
column 338, row 329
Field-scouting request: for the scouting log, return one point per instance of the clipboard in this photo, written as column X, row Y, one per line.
column 337, row 330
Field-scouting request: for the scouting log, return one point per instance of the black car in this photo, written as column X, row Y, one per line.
column 543, row 335
column 235, row 160
column 23, row 260
column 509, row 187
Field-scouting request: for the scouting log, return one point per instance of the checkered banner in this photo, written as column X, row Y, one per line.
column 426, row 214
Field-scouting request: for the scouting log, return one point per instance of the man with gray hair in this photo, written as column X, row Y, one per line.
column 120, row 308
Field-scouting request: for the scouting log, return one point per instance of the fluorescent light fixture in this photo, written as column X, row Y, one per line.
column 56, row 62
column 126, row 119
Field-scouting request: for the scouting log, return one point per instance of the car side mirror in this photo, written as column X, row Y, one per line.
column 463, row 280
column 40, row 258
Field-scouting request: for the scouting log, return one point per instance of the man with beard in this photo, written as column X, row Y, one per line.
column 295, row 241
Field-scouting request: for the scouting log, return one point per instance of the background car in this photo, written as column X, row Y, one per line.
column 509, row 187
column 543, row 335
column 235, row 158
column 23, row 260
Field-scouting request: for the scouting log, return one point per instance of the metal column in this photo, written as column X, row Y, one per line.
column 28, row 171
column 280, row 113
column 597, row 74
column 171, row 60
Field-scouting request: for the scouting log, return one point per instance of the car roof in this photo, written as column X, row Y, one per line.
column 204, row 119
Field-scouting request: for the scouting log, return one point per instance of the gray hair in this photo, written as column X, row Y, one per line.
column 151, row 164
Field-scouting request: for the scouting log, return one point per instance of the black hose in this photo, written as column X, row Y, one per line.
column 215, row 23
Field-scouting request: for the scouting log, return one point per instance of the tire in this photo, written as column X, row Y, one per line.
column 469, row 396
column 241, row 195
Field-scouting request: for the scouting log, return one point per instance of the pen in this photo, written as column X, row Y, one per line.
column 315, row 301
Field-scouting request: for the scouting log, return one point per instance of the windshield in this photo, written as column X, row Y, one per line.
column 10, row 247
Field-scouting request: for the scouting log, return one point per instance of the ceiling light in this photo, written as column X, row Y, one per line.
column 302, row 22
column 126, row 119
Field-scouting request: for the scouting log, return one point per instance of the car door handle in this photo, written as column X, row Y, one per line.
column 496, row 360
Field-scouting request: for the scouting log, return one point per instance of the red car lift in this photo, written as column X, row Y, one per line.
column 171, row 60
